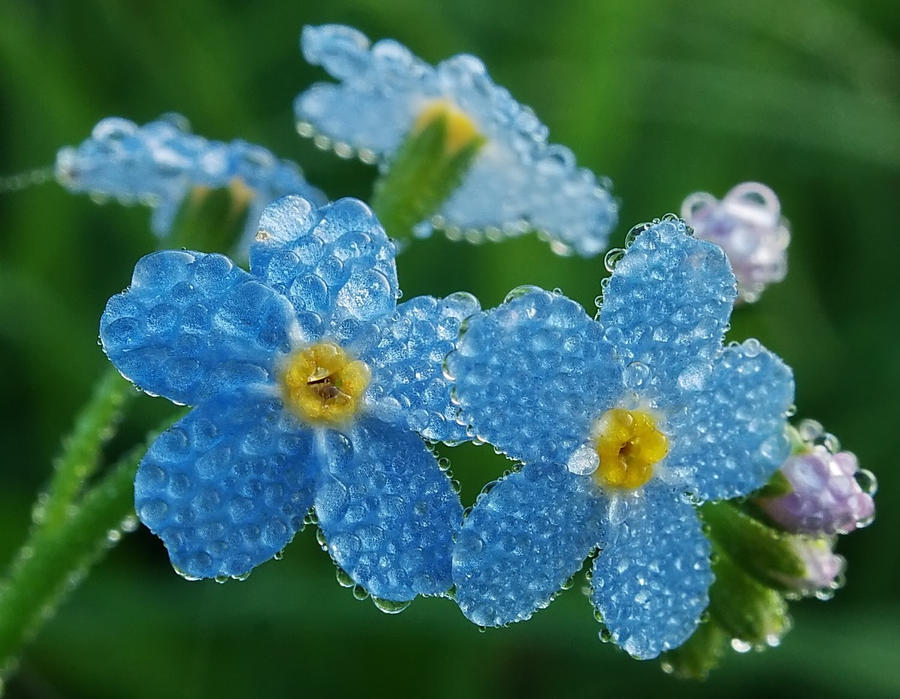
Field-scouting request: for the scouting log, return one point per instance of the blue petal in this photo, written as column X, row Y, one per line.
column 342, row 51
column 666, row 309
column 228, row 486
column 388, row 512
column 651, row 581
column 335, row 264
column 733, row 437
column 408, row 383
column 533, row 374
column 384, row 88
column 192, row 325
column 522, row 541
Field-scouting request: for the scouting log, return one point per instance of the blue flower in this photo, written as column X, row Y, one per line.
column 623, row 423
column 161, row 162
column 312, row 389
column 518, row 182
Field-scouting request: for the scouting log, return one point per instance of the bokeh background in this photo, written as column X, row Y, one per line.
column 665, row 98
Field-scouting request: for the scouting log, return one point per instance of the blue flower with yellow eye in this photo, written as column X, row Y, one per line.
column 311, row 388
column 624, row 424
column 161, row 162
column 518, row 181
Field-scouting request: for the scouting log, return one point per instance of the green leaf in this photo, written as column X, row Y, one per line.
column 701, row 653
column 764, row 553
column 745, row 609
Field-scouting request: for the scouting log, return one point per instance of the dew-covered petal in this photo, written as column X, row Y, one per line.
column 732, row 435
column 651, row 581
column 160, row 162
column 192, row 325
column 522, row 541
column 387, row 510
column 517, row 183
column 666, row 309
column 533, row 374
column 334, row 263
column 408, row 386
column 506, row 194
column 228, row 486
column 374, row 107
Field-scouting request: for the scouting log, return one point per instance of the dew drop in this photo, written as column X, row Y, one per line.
column 740, row 646
column 343, row 578
column 636, row 375
column 867, row 481
column 389, row 606
column 611, row 259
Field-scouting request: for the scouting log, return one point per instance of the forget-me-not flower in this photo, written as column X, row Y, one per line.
column 311, row 387
column 623, row 423
column 159, row 163
column 517, row 182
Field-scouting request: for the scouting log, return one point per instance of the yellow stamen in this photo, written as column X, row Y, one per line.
column 322, row 384
column 629, row 444
column 461, row 130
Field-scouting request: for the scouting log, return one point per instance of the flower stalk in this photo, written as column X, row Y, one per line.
column 425, row 171
column 80, row 458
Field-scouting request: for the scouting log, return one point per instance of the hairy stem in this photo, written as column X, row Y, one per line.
column 94, row 426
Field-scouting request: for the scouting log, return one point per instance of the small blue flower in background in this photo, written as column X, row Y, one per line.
column 623, row 423
column 161, row 162
column 312, row 389
column 747, row 224
column 518, row 182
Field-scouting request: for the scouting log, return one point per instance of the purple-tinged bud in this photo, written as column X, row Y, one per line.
column 829, row 494
column 823, row 569
column 748, row 225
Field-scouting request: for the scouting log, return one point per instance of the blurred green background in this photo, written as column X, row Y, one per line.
column 665, row 98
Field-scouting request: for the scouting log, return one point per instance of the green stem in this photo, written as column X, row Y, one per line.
column 53, row 561
column 80, row 457
column 425, row 171
column 210, row 220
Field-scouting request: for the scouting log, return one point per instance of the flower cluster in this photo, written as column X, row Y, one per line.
column 313, row 391
column 518, row 182
column 159, row 163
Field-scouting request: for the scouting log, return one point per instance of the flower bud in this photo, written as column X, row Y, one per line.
column 826, row 494
column 823, row 569
column 747, row 224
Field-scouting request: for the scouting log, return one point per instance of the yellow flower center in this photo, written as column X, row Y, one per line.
column 461, row 130
column 628, row 445
column 322, row 384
